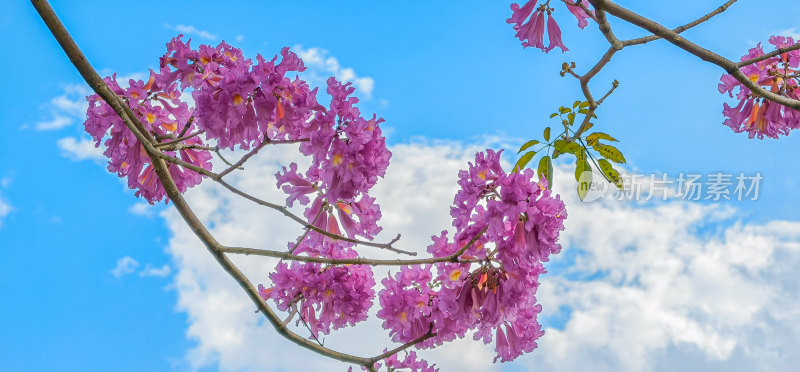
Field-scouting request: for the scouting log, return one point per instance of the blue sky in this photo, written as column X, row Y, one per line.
column 447, row 77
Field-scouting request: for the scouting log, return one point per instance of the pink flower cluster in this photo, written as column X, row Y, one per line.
column 327, row 297
column 348, row 155
column 529, row 23
column 157, row 105
column 495, row 294
column 239, row 103
column 753, row 114
column 512, row 222
column 411, row 363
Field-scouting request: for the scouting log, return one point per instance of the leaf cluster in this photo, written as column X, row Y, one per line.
column 588, row 149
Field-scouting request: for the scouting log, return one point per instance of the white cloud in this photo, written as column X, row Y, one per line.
column 57, row 122
column 321, row 63
column 79, row 149
column 671, row 286
column 791, row 32
column 661, row 291
column 5, row 209
column 125, row 265
column 161, row 272
column 124, row 80
column 141, row 209
column 191, row 30
column 66, row 108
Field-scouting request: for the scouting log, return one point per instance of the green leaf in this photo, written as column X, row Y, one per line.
column 546, row 170
column 565, row 147
column 583, row 173
column 571, row 118
column 553, row 115
column 570, row 148
column 609, row 152
column 527, row 145
column 564, row 110
column 547, row 134
column 584, row 104
column 558, row 145
column 574, row 105
column 596, row 136
column 581, row 165
column 586, row 112
column 610, row 172
column 581, row 168
column 584, row 181
column 523, row 161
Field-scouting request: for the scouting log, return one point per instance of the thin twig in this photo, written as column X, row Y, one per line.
column 292, row 312
column 254, row 151
column 400, row 348
column 313, row 335
column 362, row 261
column 678, row 30
column 694, row 49
column 180, row 139
column 769, row 55
column 307, row 231
column 614, row 86
column 182, row 146
column 219, row 154
column 283, row 210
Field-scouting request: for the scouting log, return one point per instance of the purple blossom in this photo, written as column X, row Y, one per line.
column 753, row 114
column 581, row 15
column 241, row 104
column 495, row 296
column 529, row 24
column 406, row 303
column 510, row 221
column 327, row 297
column 411, row 362
column 163, row 114
column 294, row 184
column 554, row 35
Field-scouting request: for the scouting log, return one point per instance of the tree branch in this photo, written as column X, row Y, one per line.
column 694, row 49
column 252, row 153
column 769, row 55
column 400, row 348
column 283, row 210
column 361, row 261
column 678, row 30
column 215, row 248
column 181, row 139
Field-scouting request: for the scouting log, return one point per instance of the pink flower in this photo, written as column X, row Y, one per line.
column 327, row 298
column 753, row 114
column 163, row 114
column 522, row 223
column 580, row 14
column 554, row 34
column 531, row 30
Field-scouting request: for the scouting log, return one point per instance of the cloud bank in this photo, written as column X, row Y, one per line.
column 663, row 287
column 321, row 64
